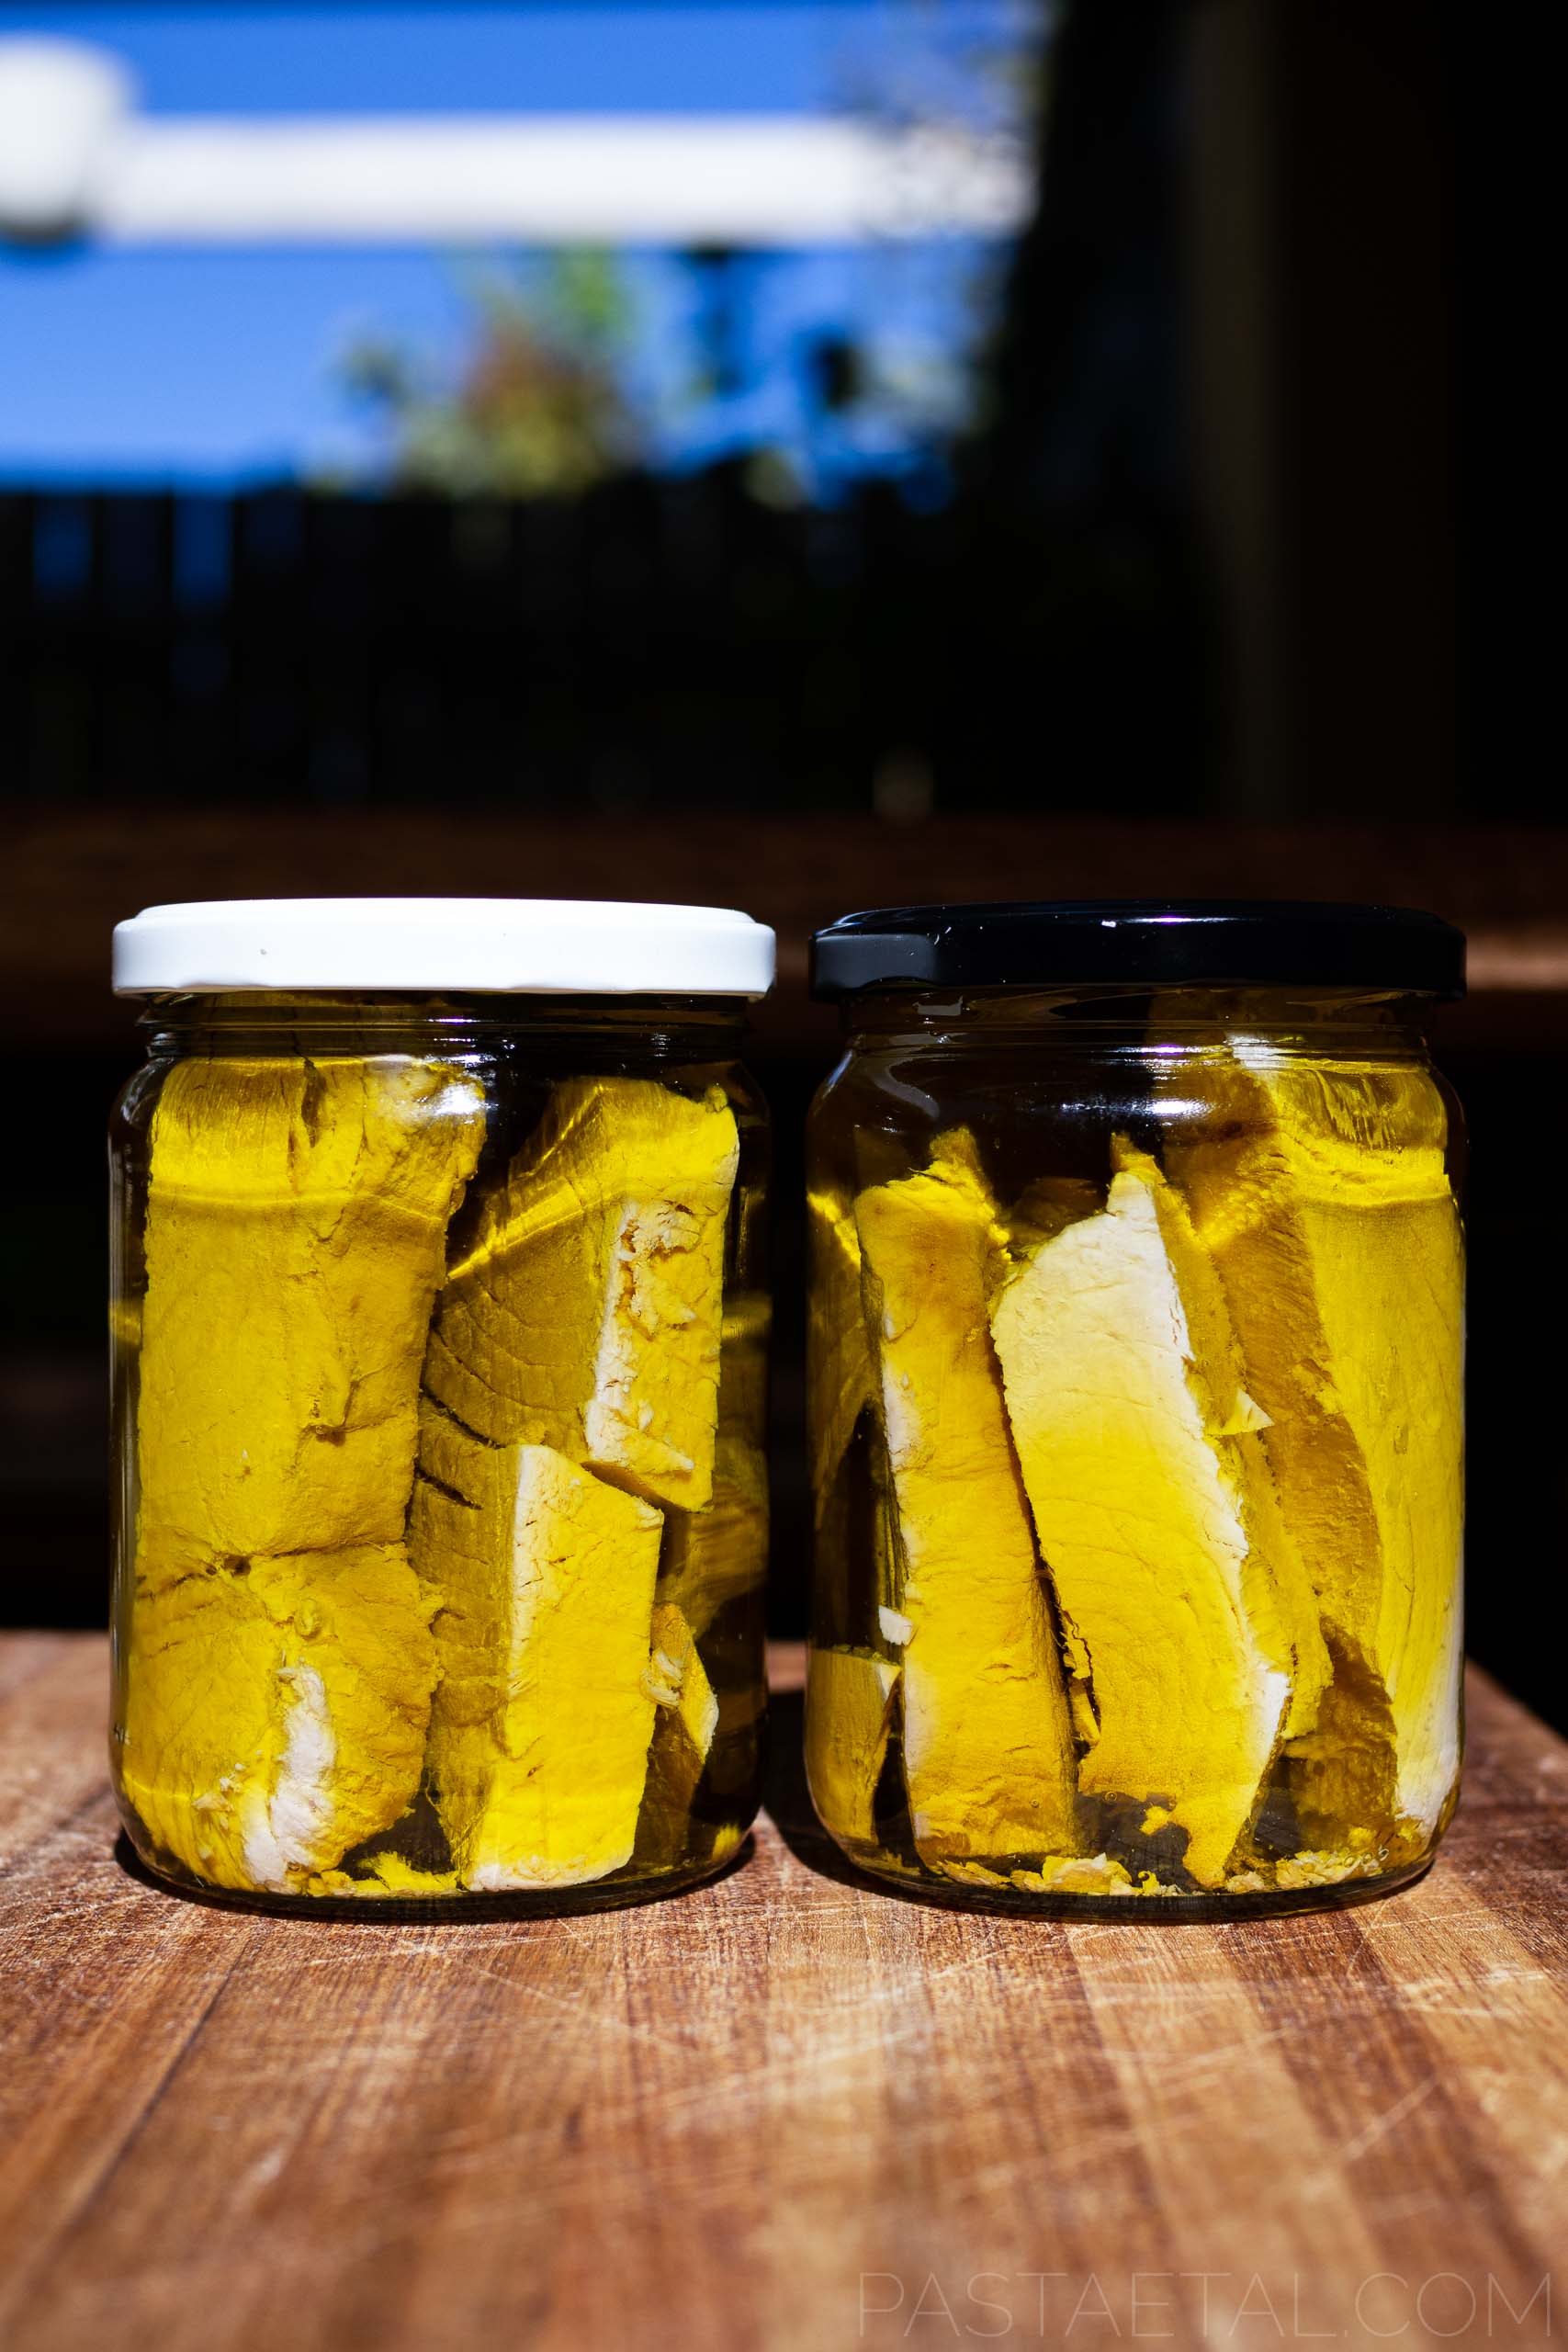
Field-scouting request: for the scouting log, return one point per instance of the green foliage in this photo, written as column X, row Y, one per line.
column 534, row 405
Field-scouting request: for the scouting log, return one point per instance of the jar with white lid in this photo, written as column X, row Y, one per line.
column 1136, row 1349
column 439, row 1327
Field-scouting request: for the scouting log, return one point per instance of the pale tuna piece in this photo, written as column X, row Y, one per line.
column 587, row 1315
column 540, row 1730
column 296, row 1216
column 987, row 1740
column 848, row 1707
column 275, row 1709
column 1323, row 1197
column 1276, row 1589
column 1139, row 1502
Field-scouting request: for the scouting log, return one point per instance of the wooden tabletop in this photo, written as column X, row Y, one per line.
column 783, row 2110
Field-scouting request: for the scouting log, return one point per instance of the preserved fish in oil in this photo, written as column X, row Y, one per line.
column 439, row 1393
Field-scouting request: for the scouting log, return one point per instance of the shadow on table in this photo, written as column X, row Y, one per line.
column 390, row 1910
column 787, row 1801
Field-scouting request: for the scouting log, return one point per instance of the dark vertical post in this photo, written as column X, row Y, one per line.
column 1320, row 249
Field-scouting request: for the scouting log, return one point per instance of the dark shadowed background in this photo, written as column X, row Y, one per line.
column 1159, row 534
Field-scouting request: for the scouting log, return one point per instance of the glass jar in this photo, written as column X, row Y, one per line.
column 1135, row 1355
column 439, row 1332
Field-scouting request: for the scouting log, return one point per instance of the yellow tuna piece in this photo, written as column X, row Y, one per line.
column 683, row 1731
column 841, row 1380
column 296, row 1215
column 987, row 1742
column 545, row 1576
column 679, row 1682
column 855, row 1568
column 1139, row 1507
column 1075, row 1874
column 381, row 1876
column 586, row 1317
column 1323, row 1197
column 275, row 1713
column 713, row 1556
column 849, row 1708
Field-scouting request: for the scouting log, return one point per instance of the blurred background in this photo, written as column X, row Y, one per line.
column 795, row 456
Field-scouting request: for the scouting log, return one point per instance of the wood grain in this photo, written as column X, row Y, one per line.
column 784, row 2112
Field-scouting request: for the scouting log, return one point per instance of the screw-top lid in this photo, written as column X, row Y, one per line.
column 523, row 946
column 1150, row 943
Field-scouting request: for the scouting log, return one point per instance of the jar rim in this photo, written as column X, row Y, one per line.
column 414, row 947
column 1152, row 943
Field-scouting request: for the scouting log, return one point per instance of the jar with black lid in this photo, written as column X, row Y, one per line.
column 439, row 1325
column 1136, row 1333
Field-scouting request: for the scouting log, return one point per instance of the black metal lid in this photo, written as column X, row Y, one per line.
column 1151, row 942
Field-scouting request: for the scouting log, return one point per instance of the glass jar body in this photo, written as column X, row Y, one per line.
column 439, row 1340
column 1135, row 1338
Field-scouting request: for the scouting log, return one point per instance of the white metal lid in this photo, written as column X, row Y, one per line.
column 525, row 946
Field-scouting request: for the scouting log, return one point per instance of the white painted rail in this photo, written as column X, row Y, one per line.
column 76, row 159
